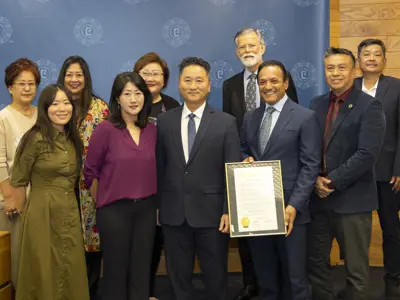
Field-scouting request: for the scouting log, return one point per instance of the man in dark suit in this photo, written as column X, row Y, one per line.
column 345, row 192
column 286, row 131
column 240, row 94
column 371, row 57
column 194, row 143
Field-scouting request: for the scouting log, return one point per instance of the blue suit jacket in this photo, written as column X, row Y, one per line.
column 296, row 140
column 353, row 148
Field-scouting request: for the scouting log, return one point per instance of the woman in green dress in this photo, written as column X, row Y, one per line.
column 52, row 261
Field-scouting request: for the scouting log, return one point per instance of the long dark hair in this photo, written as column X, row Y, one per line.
column 120, row 81
column 44, row 125
column 87, row 93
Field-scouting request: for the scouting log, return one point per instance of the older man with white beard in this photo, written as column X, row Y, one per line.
column 241, row 94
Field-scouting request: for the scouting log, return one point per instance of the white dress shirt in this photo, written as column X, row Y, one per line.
column 184, row 126
column 275, row 115
column 371, row 91
column 246, row 80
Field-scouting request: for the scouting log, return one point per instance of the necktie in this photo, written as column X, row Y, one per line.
column 251, row 93
column 265, row 129
column 191, row 132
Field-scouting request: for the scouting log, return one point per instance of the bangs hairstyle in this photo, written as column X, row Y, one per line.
column 17, row 67
column 149, row 58
column 87, row 93
column 45, row 128
column 120, row 81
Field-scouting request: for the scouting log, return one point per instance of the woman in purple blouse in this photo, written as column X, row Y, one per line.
column 120, row 169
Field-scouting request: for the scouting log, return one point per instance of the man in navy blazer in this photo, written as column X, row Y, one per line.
column 283, row 130
column 194, row 143
column 345, row 192
column 372, row 59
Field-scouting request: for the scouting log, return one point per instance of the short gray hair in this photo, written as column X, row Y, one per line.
column 250, row 30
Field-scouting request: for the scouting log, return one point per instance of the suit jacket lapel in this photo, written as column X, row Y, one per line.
column 344, row 110
column 255, row 131
column 204, row 124
column 283, row 120
column 322, row 111
column 383, row 86
column 177, row 135
column 240, row 92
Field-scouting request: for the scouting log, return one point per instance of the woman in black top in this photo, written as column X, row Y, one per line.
column 155, row 73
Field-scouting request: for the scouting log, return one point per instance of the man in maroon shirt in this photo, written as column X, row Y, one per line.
column 345, row 192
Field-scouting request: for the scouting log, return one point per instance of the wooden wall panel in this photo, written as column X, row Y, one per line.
column 385, row 11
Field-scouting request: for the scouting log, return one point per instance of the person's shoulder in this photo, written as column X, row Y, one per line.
column 98, row 102
column 234, row 78
column 169, row 101
column 106, row 125
column 169, row 113
column 222, row 116
column 392, row 80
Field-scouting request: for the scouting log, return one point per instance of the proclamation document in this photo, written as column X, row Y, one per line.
column 255, row 198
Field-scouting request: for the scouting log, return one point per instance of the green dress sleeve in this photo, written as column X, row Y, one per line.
column 22, row 168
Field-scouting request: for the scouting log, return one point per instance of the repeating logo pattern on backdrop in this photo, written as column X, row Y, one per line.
column 48, row 71
column 306, row 3
column 267, row 29
column 220, row 71
column 221, row 2
column 304, row 75
column 127, row 66
column 88, row 31
column 5, row 30
column 176, row 32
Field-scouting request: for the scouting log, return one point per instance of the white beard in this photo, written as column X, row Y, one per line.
column 251, row 62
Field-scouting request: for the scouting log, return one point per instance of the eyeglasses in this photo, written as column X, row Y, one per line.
column 155, row 75
column 251, row 47
column 23, row 85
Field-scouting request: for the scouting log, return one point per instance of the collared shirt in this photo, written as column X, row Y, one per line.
column 371, row 91
column 246, row 80
column 275, row 115
column 184, row 125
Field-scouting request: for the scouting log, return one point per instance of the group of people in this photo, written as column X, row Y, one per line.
column 84, row 182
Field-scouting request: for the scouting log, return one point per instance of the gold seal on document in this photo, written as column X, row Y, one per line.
column 245, row 222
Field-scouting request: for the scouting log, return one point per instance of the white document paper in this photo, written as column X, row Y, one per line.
column 255, row 198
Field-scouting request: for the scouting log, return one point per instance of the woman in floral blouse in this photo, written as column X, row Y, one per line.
column 91, row 111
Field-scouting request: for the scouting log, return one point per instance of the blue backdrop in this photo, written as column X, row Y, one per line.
column 112, row 34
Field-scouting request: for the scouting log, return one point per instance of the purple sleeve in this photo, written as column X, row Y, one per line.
column 96, row 153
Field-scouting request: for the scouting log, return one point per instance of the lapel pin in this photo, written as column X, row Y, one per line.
column 350, row 105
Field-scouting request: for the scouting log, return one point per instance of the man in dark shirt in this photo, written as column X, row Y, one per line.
column 345, row 192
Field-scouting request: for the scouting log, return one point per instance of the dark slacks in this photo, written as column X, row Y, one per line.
column 353, row 233
column 389, row 206
column 126, row 231
column 182, row 243
column 93, row 267
column 281, row 265
column 155, row 260
column 248, row 272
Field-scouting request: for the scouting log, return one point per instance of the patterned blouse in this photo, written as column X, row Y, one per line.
column 97, row 113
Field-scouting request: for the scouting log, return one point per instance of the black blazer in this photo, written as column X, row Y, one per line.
column 353, row 148
column 195, row 191
column 233, row 101
column 388, row 93
column 169, row 102
column 296, row 142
